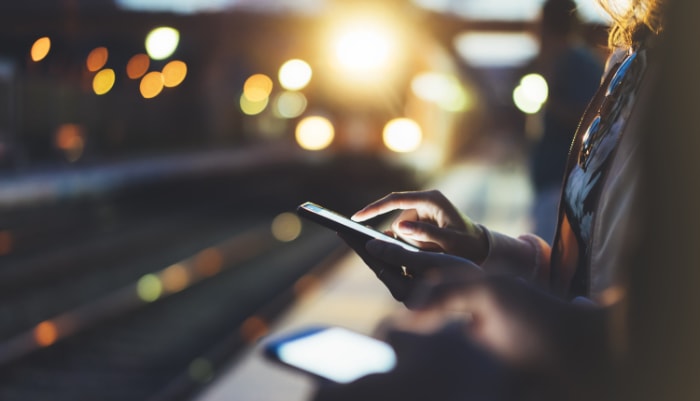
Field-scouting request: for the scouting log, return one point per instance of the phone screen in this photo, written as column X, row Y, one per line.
column 333, row 353
column 337, row 221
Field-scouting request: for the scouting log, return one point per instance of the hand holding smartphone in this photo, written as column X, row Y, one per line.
column 340, row 223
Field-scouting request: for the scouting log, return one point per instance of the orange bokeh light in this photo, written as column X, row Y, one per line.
column 40, row 48
column 175, row 278
column 137, row 66
column 97, row 58
column 45, row 333
column 253, row 328
column 151, row 84
column 208, row 262
column 174, row 73
column 6, row 242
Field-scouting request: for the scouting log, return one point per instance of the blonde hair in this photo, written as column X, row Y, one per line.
column 629, row 18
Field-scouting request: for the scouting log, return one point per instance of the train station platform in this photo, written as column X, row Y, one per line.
column 492, row 190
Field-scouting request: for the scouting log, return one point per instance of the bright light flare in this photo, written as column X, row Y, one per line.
column 314, row 133
column 162, row 42
column 402, row 135
column 531, row 93
column 363, row 47
column 40, row 48
column 295, row 74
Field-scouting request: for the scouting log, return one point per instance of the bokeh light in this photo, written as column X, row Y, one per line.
column 314, row 133
column 40, row 48
column 209, row 262
column 295, row 74
column 253, row 328
column 402, row 135
column 175, row 278
column 137, row 66
column 442, row 89
column 149, row 288
column 201, row 370
column 531, row 93
column 69, row 138
column 257, row 88
column 290, row 104
column 151, row 84
column 286, row 227
column 45, row 333
column 97, row 59
column 252, row 108
column 6, row 242
column 174, row 73
column 162, row 42
column 103, row 81
column 363, row 46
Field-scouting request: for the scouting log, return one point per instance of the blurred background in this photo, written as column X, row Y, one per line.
column 152, row 153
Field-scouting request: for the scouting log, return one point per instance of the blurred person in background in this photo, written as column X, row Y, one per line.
column 573, row 73
column 498, row 317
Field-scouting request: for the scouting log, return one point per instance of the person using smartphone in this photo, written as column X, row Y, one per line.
column 544, row 311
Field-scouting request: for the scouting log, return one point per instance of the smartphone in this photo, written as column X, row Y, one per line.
column 334, row 354
column 337, row 222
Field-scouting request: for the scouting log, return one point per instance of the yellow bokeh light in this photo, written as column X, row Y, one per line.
column 175, row 278
column 162, row 42
column 290, row 104
column 97, row 59
column 257, row 88
column 103, row 81
column 174, row 73
column 40, row 48
column 137, row 66
column 149, row 288
column 252, row 108
column 151, row 84
column 314, row 133
column 295, row 74
column 531, row 93
column 45, row 333
column 402, row 135
column 286, row 227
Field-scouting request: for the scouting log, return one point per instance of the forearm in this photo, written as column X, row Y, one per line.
column 527, row 256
